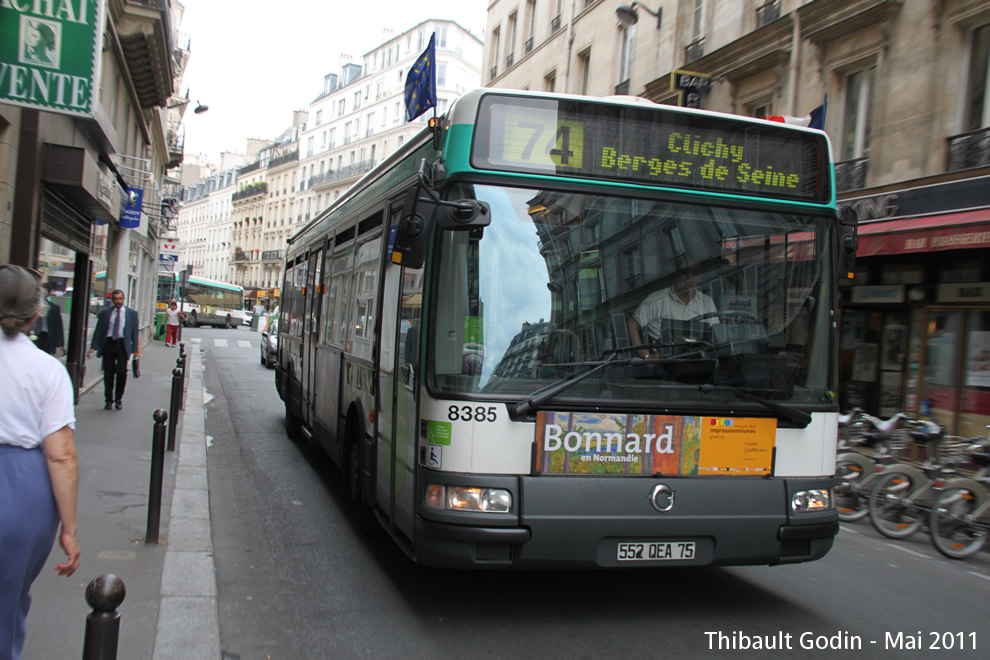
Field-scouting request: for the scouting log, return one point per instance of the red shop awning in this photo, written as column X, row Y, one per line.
column 956, row 231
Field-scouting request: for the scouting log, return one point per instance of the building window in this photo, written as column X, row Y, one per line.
column 442, row 37
column 441, row 74
column 550, row 81
column 369, row 126
column 856, row 116
column 698, row 20
column 309, row 146
column 357, row 100
column 340, row 108
column 977, row 107
column 333, row 138
column 319, row 117
column 584, row 61
column 628, row 43
column 496, row 35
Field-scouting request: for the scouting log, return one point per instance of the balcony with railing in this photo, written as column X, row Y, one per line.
column 346, row 172
column 622, row 89
column 247, row 169
column 508, row 60
column 494, row 73
column 968, row 150
column 694, row 50
column 144, row 31
column 175, row 139
column 529, row 45
column 241, row 257
column 290, row 157
column 271, row 255
column 851, row 174
column 555, row 24
column 249, row 191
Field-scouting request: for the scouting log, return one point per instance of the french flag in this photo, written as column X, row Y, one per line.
column 814, row 119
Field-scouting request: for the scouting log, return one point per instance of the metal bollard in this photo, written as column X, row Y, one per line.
column 157, row 473
column 185, row 373
column 104, row 594
column 174, row 406
column 182, row 383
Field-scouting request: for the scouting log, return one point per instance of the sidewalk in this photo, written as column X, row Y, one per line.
column 170, row 609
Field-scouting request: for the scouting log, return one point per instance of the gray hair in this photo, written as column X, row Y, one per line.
column 21, row 299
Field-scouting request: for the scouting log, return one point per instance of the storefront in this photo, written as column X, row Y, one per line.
column 915, row 333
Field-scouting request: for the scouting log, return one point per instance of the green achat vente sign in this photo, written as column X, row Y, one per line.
column 50, row 53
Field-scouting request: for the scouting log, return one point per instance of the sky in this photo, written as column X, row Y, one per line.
column 255, row 61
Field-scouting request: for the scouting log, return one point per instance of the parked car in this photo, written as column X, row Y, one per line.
column 269, row 345
column 248, row 316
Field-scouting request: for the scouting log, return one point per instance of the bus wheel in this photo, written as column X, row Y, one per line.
column 293, row 428
column 227, row 323
column 192, row 321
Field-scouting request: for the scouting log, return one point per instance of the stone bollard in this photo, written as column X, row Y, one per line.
column 174, row 404
column 157, row 473
column 104, row 594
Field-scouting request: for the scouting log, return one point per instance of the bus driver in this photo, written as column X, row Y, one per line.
column 682, row 301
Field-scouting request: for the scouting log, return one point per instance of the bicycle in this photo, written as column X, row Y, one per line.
column 902, row 496
column 959, row 524
column 856, row 470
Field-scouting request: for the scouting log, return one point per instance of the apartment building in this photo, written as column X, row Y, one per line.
column 908, row 115
column 356, row 121
column 83, row 168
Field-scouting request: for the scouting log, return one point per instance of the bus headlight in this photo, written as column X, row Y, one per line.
column 811, row 500
column 464, row 498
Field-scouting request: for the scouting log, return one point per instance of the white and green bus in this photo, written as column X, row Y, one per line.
column 205, row 302
column 456, row 333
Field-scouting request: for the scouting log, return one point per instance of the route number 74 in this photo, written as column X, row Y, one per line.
column 540, row 143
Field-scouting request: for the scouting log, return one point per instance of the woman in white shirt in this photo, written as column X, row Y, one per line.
column 39, row 472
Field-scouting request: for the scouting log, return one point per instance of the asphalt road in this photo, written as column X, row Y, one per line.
column 301, row 576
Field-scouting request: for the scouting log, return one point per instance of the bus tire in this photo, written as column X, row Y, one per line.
column 191, row 320
column 227, row 323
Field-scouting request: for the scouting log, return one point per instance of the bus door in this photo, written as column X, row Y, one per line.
column 398, row 378
column 311, row 324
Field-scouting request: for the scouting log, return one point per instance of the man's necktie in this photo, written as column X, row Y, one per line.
column 116, row 325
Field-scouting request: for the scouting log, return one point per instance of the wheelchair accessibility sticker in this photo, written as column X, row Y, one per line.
column 434, row 457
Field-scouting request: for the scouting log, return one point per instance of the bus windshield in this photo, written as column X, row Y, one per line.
column 674, row 295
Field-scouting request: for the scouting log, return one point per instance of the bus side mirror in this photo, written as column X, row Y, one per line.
column 848, row 242
column 413, row 231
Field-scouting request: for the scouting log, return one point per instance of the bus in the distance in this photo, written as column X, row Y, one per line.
column 457, row 333
column 205, row 302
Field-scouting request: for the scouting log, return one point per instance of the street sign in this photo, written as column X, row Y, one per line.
column 168, row 257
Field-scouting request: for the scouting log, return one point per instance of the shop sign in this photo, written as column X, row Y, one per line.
column 50, row 54
column 130, row 218
column 963, row 292
column 878, row 294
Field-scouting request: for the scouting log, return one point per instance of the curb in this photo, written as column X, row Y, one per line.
column 188, row 618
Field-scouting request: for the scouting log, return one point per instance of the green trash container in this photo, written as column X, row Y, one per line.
column 160, row 326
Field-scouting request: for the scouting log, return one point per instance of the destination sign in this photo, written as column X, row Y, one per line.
column 650, row 145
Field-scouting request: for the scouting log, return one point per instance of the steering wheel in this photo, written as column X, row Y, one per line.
column 733, row 316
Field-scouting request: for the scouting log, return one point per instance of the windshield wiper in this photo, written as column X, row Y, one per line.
column 525, row 408
column 799, row 417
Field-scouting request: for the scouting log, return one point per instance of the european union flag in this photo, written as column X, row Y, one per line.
column 421, row 83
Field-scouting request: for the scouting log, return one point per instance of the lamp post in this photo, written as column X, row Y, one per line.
column 627, row 14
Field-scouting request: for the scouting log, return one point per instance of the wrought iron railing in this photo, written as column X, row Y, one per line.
column 968, row 150
column 508, row 60
column 283, row 159
column 622, row 89
column 529, row 45
column 494, row 72
column 250, row 191
column 767, row 14
column 851, row 174
column 555, row 24
column 694, row 51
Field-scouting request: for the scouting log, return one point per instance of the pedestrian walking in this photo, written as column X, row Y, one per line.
column 49, row 334
column 115, row 340
column 39, row 472
column 173, row 317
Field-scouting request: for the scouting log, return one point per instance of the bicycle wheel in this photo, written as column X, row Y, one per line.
column 953, row 535
column 851, row 505
column 890, row 513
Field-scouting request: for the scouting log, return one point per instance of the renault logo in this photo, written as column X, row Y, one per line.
column 662, row 498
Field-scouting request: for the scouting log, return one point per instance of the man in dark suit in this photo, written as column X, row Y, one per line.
column 115, row 340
